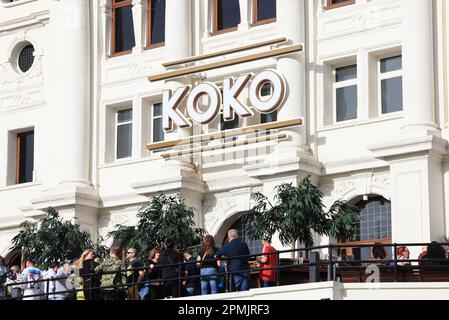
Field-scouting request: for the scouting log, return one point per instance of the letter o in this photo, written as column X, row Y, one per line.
column 278, row 91
column 214, row 94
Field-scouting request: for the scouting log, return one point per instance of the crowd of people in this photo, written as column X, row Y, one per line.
column 167, row 273
column 433, row 254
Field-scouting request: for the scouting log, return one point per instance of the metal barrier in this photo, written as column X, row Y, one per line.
column 438, row 269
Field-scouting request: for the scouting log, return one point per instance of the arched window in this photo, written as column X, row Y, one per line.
column 156, row 23
column 226, row 15
column 123, row 39
column 255, row 246
column 374, row 227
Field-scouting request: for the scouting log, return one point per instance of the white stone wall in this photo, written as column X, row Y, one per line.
column 340, row 291
column 72, row 114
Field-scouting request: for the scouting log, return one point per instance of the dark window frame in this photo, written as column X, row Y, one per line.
column 151, row 45
column 215, row 30
column 256, row 21
column 116, row 5
column 331, row 5
column 19, row 156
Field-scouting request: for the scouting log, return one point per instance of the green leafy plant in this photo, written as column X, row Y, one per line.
column 297, row 213
column 165, row 217
column 53, row 239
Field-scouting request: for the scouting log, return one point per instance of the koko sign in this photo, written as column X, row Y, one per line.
column 232, row 88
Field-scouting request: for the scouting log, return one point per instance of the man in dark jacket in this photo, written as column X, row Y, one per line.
column 171, row 256
column 236, row 248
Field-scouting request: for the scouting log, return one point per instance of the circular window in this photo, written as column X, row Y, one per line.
column 26, row 58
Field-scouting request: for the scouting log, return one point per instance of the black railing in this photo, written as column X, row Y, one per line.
column 332, row 269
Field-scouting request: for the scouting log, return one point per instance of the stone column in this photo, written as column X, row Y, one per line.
column 106, row 20
column 178, row 43
column 140, row 17
column 178, row 35
column 74, row 105
column 67, row 71
column 418, row 68
column 245, row 16
column 291, row 24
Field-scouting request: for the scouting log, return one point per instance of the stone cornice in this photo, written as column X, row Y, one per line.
column 410, row 146
column 36, row 18
column 174, row 184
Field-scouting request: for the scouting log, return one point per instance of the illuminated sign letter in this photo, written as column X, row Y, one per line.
column 212, row 109
column 231, row 104
column 170, row 103
column 278, row 85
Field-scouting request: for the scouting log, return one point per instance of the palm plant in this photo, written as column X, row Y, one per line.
column 164, row 217
column 298, row 212
column 53, row 239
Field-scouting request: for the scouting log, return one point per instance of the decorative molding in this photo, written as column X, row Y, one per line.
column 358, row 18
column 359, row 184
column 37, row 18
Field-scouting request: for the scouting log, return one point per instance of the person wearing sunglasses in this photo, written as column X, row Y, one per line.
column 134, row 277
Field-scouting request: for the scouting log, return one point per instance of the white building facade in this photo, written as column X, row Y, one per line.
column 77, row 110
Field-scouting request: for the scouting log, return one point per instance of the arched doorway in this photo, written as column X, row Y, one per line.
column 255, row 246
column 374, row 227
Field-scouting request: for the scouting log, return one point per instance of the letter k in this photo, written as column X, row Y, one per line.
column 170, row 103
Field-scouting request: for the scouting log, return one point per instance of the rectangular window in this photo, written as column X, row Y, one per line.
column 226, row 15
column 265, row 91
column 156, row 23
column 264, row 11
column 25, row 157
column 345, row 88
column 123, row 39
column 391, row 84
column 158, row 133
column 229, row 125
column 338, row 3
column 124, row 133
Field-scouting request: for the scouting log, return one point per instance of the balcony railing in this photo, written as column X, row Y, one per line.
column 311, row 269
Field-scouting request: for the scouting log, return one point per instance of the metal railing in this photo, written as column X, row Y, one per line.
column 330, row 269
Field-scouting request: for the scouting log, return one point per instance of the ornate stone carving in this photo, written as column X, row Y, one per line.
column 9, row 75
column 368, row 15
column 138, row 68
column 218, row 212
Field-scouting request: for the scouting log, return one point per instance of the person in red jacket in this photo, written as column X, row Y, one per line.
column 268, row 262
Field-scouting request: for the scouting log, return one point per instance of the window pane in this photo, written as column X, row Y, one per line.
column 124, row 115
column 157, row 21
column 267, row 118
column 158, row 132
column 228, row 125
column 375, row 220
column 347, row 103
column 124, row 29
column 266, row 9
column 157, row 110
column 255, row 246
column 124, row 141
column 228, row 14
column 26, row 58
column 391, row 64
column 26, row 157
column 392, row 95
column 346, row 73
column 338, row 1
column 266, row 90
